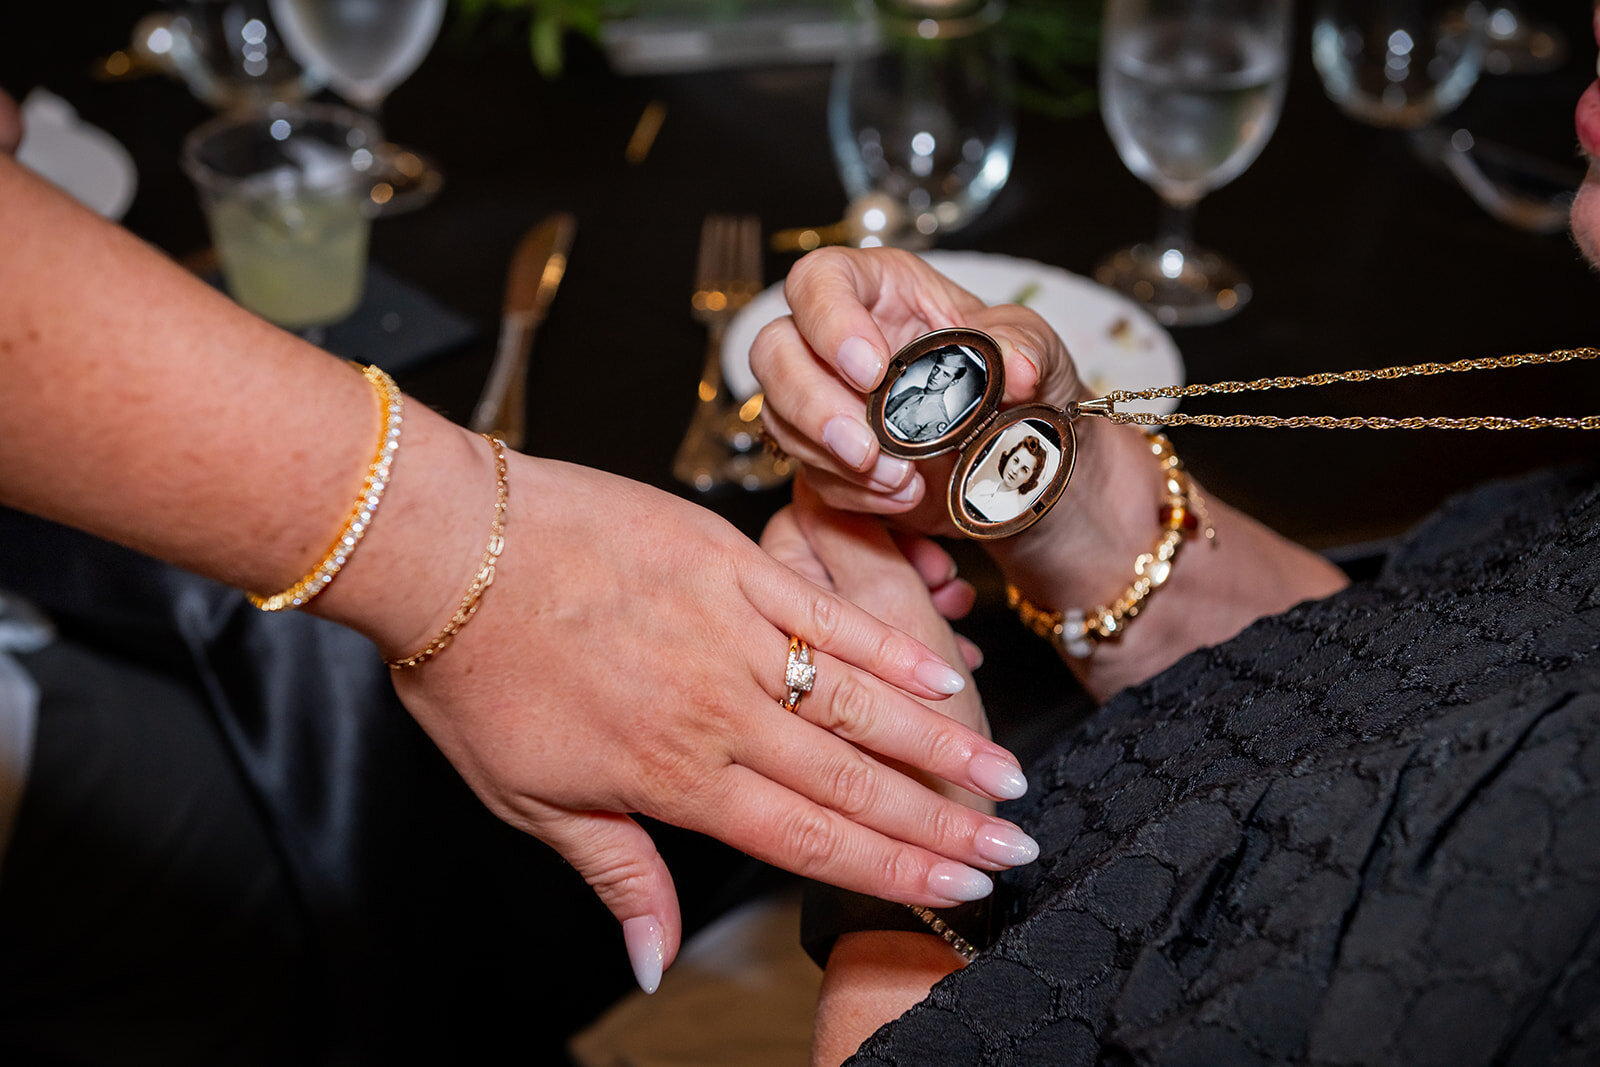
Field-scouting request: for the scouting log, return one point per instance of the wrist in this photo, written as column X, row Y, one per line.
column 1077, row 554
column 425, row 541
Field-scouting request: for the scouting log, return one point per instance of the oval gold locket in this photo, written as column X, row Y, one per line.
column 941, row 393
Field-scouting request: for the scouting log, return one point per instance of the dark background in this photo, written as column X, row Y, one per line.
column 1360, row 256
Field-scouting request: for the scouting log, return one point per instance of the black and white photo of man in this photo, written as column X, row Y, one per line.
column 935, row 393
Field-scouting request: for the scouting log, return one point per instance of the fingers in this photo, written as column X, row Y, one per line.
column 855, row 707
column 817, row 413
column 856, row 308
column 955, row 601
column 1037, row 364
column 784, row 542
column 850, row 311
column 936, row 567
column 831, row 624
column 953, row 597
column 776, row 825
column 618, row 859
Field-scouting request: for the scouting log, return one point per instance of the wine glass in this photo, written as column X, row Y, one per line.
column 1190, row 94
column 919, row 115
column 227, row 52
column 363, row 49
column 1519, row 44
column 1398, row 63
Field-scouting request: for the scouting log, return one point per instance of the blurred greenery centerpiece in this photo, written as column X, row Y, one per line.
column 1054, row 42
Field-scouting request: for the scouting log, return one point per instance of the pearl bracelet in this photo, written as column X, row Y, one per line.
column 1076, row 633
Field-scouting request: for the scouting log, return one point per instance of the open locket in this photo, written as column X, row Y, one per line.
column 941, row 393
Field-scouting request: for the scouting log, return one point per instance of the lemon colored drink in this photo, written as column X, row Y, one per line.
column 297, row 262
column 285, row 192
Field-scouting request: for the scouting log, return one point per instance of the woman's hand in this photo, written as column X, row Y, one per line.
column 899, row 578
column 629, row 657
column 851, row 311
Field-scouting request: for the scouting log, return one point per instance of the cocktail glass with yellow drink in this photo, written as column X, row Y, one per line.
column 284, row 191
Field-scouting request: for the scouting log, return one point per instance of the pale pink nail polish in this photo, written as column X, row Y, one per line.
column 848, row 439
column 1004, row 843
column 939, row 678
column 889, row 473
column 997, row 776
column 646, row 950
column 860, row 363
column 953, row 881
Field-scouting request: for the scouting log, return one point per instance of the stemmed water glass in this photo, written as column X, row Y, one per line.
column 1190, row 94
column 920, row 118
column 1398, row 63
column 364, row 48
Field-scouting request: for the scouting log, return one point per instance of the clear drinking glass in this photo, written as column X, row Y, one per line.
column 364, row 48
column 920, row 113
column 1398, row 63
column 1190, row 94
column 284, row 192
column 227, row 51
column 1520, row 44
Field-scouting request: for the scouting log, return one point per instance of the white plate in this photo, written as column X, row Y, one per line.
column 84, row 160
column 1114, row 342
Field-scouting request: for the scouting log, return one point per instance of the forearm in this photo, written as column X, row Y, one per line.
column 1082, row 555
column 873, row 977
column 142, row 406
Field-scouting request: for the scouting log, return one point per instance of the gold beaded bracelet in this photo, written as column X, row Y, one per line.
column 482, row 580
column 1075, row 633
column 390, row 403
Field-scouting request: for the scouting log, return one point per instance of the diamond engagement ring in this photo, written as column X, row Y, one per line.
column 799, row 674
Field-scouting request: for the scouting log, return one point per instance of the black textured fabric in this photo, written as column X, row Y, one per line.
column 1365, row 831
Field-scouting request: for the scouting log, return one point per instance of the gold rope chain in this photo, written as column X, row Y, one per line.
column 1104, row 406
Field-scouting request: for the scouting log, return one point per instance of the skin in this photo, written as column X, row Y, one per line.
column 1018, row 468
column 874, row 976
column 941, row 375
column 882, row 298
column 138, row 404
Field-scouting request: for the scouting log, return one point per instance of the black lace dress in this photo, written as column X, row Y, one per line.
column 1364, row 831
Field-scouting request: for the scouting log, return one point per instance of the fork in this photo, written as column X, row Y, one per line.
column 722, row 443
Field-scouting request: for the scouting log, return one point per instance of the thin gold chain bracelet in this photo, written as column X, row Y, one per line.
column 473, row 598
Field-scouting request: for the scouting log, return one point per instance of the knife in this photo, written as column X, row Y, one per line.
column 536, row 269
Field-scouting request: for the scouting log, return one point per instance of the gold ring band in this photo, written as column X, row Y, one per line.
column 799, row 674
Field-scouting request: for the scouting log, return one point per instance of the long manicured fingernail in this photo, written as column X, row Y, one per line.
column 1004, row 843
column 997, row 776
column 646, row 950
column 956, row 882
column 848, row 439
column 860, row 363
column 939, row 678
column 889, row 473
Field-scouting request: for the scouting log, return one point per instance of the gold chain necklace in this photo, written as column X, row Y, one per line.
column 1105, row 406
